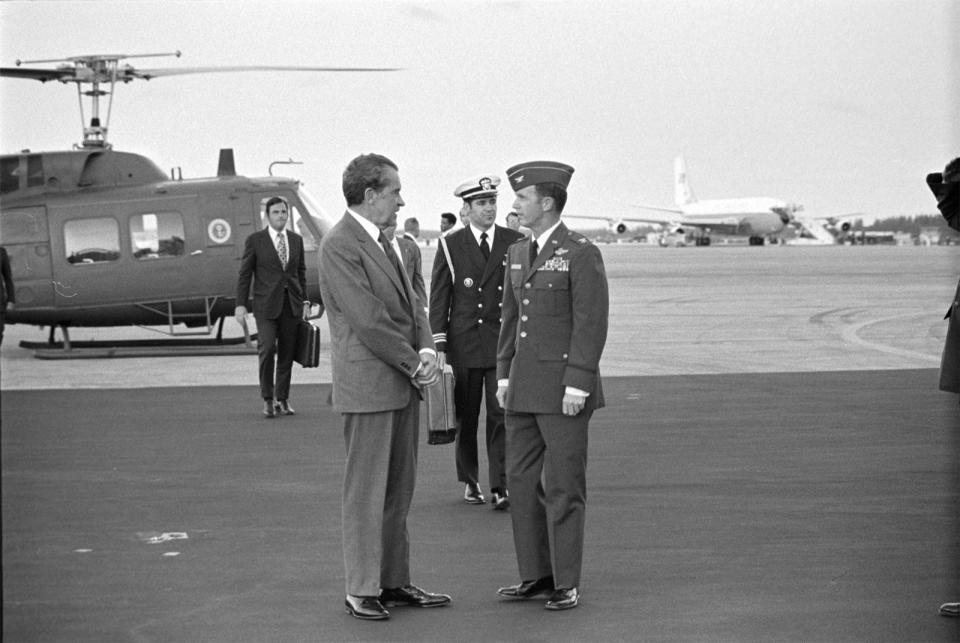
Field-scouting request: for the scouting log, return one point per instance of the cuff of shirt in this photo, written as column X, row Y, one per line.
column 575, row 391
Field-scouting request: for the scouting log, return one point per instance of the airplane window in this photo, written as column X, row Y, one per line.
column 91, row 240
column 157, row 235
column 34, row 170
column 9, row 174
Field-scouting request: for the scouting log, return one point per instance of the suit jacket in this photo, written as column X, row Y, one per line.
column 413, row 264
column 7, row 291
column 271, row 282
column 465, row 312
column 377, row 327
column 554, row 323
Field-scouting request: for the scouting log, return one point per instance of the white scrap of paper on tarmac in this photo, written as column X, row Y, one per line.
column 156, row 537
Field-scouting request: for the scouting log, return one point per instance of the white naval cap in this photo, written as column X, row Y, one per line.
column 483, row 185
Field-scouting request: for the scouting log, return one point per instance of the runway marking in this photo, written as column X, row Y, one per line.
column 849, row 334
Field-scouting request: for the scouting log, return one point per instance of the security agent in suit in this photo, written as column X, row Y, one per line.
column 273, row 260
column 409, row 253
column 382, row 354
column 946, row 188
column 8, row 296
column 465, row 318
column 555, row 309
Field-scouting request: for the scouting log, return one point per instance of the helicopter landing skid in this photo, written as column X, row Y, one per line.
column 141, row 348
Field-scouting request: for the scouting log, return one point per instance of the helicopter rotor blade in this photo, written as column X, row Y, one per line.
column 43, row 75
column 147, row 74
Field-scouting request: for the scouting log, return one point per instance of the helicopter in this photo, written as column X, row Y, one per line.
column 100, row 237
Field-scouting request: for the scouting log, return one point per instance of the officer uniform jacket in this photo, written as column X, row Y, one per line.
column 465, row 311
column 554, row 323
column 271, row 281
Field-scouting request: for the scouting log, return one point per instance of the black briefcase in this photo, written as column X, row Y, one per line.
column 307, row 350
column 441, row 415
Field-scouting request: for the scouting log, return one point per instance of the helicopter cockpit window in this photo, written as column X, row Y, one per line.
column 91, row 240
column 309, row 243
column 157, row 235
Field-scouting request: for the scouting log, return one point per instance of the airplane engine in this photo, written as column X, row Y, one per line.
column 618, row 226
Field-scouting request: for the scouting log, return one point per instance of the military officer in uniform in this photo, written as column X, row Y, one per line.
column 554, row 328
column 465, row 318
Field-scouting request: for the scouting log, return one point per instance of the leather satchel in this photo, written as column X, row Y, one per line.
column 307, row 349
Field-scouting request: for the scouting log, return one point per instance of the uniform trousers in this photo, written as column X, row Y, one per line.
column 276, row 341
column 378, row 483
column 546, row 473
column 472, row 386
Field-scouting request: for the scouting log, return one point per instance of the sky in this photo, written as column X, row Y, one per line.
column 840, row 105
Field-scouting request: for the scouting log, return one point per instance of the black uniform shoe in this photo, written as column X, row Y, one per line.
column 472, row 494
column 283, row 408
column 365, row 607
column 950, row 609
column 268, row 411
column 500, row 500
column 412, row 595
column 540, row 588
column 564, row 599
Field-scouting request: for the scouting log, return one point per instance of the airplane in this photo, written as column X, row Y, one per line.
column 99, row 237
column 752, row 217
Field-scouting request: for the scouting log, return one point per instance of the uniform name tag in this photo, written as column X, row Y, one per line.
column 515, row 266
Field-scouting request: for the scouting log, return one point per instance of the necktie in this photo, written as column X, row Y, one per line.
column 534, row 249
column 484, row 247
column 282, row 248
column 391, row 255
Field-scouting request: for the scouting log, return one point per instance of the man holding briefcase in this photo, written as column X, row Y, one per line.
column 273, row 260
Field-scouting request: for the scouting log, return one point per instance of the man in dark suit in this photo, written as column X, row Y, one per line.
column 8, row 295
column 946, row 188
column 409, row 253
column 465, row 318
column 555, row 312
column 273, row 261
column 382, row 354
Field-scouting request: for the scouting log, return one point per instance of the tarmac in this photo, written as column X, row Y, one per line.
column 775, row 463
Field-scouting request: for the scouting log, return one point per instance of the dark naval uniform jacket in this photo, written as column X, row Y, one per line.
column 555, row 315
column 465, row 311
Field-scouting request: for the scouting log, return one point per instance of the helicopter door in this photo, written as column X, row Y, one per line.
column 25, row 235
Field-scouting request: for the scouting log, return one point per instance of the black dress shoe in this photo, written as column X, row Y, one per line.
column 472, row 494
column 268, row 411
column 365, row 607
column 500, row 500
column 540, row 588
column 283, row 408
column 564, row 599
column 412, row 595
column 950, row 609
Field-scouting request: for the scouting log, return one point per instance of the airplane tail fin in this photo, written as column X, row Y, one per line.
column 682, row 193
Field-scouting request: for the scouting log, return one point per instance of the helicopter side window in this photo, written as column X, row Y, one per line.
column 34, row 170
column 91, row 240
column 156, row 235
column 9, row 174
